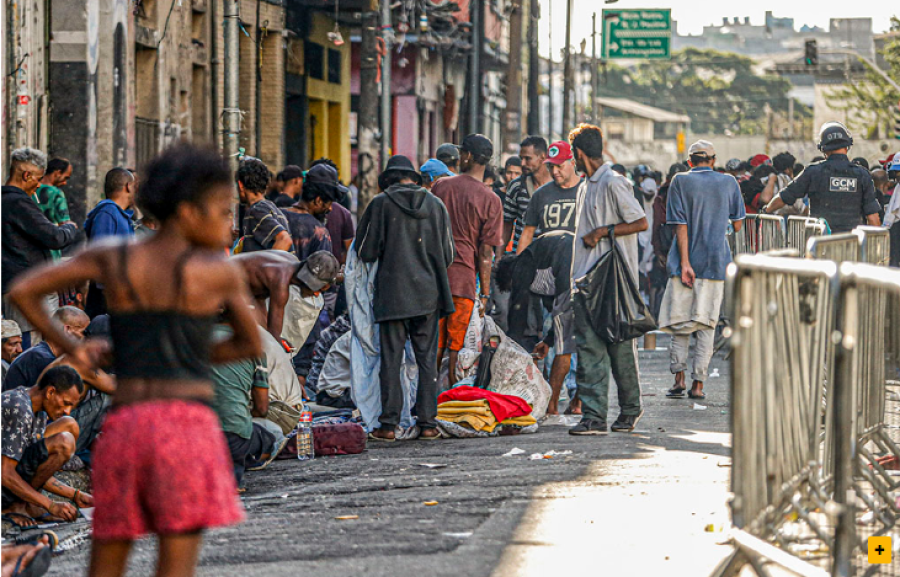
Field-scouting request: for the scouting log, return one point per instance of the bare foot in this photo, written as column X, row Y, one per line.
column 383, row 434
column 430, row 434
column 19, row 515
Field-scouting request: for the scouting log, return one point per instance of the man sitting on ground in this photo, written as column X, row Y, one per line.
column 242, row 392
column 34, row 451
column 26, row 369
column 11, row 346
column 96, row 399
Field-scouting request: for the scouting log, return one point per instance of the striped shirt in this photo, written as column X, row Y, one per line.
column 515, row 205
column 263, row 222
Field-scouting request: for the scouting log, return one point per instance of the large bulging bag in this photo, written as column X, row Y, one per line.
column 609, row 294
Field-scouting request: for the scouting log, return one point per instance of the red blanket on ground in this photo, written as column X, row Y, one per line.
column 503, row 406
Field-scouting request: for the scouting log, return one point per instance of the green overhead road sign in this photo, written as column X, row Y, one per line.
column 637, row 34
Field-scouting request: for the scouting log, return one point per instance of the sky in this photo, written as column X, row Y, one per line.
column 692, row 15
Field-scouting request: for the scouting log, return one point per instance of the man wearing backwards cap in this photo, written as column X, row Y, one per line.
column 449, row 155
column 287, row 283
column 701, row 204
column 476, row 218
column 11, row 346
column 552, row 206
column 407, row 231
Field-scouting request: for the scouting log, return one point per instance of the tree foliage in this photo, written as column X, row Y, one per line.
column 871, row 103
column 719, row 90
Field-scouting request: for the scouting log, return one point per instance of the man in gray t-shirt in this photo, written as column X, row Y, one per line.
column 605, row 200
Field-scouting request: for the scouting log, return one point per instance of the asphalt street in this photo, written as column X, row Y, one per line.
column 648, row 503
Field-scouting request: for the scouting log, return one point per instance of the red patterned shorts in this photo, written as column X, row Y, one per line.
column 162, row 467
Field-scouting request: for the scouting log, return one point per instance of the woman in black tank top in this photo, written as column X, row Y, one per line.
column 161, row 465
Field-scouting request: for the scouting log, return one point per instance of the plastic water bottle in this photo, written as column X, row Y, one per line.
column 306, row 449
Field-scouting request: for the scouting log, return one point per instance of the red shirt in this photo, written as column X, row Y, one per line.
column 476, row 219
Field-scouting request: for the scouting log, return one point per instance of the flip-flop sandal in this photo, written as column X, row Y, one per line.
column 676, row 392
column 38, row 566
column 434, row 438
column 694, row 395
column 8, row 517
column 381, row 439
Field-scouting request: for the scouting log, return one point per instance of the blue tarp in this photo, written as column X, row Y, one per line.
column 365, row 347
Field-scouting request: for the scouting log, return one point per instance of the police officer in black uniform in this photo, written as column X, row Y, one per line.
column 839, row 191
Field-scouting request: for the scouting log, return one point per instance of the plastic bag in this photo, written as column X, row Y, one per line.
column 609, row 294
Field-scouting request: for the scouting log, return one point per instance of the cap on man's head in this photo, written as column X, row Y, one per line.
column 619, row 169
column 434, row 168
column 733, row 164
column 290, row 172
column 326, row 177
column 702, row 148
column 558, row 153
column 447, row 153
column 10, row 329
column 759, row 160
column 319, row 270
column 478, row 145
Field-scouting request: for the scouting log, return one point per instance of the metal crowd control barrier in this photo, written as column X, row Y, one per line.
column 837, row 247
column 812, row 480
column 798, row 233
column 745, row 240
column 874, row 245
column 771, row 233
column 864, row 490
column 783, row 310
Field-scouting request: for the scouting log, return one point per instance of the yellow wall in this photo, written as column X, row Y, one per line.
column 330, row 103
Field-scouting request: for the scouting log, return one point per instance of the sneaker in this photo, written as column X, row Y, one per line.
column 589, row 427
column 276, row 450
column 627, row 423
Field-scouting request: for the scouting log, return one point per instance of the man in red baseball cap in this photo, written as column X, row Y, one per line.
column 553, row 205
column 759, row 160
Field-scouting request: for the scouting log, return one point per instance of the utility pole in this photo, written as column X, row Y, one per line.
column 534, row 70
column 567, row 70
column 595, row 115
column 475, row 81
column 387, row 34
column 550, row 73
column 231, row 110
column 514, row 79
column 367, row 120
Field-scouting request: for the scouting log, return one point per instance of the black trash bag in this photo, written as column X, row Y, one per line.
column 609, row 294
column 483, row 372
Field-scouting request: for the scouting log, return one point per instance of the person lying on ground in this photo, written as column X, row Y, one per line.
column 271, row 274
column 241, row 393
column 26, row 369
column 34, row 451
column 161, row 465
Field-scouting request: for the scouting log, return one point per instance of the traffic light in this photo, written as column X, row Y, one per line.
column 811, row 53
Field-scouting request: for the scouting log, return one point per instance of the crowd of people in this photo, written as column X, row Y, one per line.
column 156, row 342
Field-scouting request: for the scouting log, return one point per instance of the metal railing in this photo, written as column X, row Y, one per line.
column 782, row 310
column 797, row 232
column 863, row 489
column 815, row 408
column 836, row 247
column 745, row 240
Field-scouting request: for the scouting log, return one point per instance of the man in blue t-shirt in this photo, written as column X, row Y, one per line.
column 701, row 204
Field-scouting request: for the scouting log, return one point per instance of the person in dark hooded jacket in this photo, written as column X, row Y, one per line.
column 407, row 230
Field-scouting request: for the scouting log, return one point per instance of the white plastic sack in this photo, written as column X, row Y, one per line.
column 300, row 316
column 513, row 373
column 283, row 383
